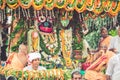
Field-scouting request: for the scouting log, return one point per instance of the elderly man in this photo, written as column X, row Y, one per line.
column 34, row 59
column 18, row 60
column 99, row 65
column 115, row 43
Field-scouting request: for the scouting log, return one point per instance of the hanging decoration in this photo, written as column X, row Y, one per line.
column 70, row 5
column 96, row 6
column 107, row 5
column 38, row 4
column 12, row 3
column 25, row 3
column 2, row 4
column 90, row 5
column 61, row 3
column 115, row 8
column 80, row 6
column 49, row 4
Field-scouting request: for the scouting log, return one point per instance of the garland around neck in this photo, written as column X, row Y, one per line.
column 46, row 50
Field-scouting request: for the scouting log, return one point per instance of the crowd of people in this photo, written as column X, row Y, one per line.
column 104, row 64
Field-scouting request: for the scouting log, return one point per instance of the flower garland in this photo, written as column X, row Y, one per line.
column 12, row 3
column 98, row 7
column 38, row 4
column 49, row 4
column 115, row 8
column 107, row 6
column 61, row 3
column 25, row 3
column 90, row 5
column 46, row 50
column 34, row 75
column 70, row 5
column 80, row 6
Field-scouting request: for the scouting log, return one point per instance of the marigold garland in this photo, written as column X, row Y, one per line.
column 38, row 5
column 107, row 6
column 25, row 3
column 96, row 6
column 80, row 6
column 61, row 3
column 90, row 5
column 12, row 4
column 49, row 4
column 70, row 5
column 115, row 8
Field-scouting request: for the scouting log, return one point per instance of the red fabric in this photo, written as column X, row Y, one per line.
column 85, row 65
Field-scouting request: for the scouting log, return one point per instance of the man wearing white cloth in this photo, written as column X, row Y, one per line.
column 34, row 59
column 115, row 43
column 113, row 68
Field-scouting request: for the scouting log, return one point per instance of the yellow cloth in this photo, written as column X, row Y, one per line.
column 105, row 41
column 97, row 66
column 14, row 62
column 93, row 75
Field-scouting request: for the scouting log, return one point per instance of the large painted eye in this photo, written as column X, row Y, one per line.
column 42, row 18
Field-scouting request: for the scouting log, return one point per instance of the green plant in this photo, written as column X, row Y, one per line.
column 77, row 45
